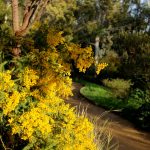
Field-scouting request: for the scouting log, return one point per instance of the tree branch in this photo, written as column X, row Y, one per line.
column 39, row 11
column 32, row 10
column 4, row 144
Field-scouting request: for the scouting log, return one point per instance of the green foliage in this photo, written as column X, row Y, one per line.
column 132, row 16
column 138, row 108
column 95, row 22
column 61, row 16
column 111, row 58
column 138, row 98
column 120, row 87
column 134, row 49
column 5, row 13
column 143, row 115
column 5, row 28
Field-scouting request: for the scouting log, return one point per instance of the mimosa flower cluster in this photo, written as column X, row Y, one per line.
column 100, row 67
column 31, row 99
column 36, row 113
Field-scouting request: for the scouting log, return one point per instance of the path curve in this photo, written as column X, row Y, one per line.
column 123, row 131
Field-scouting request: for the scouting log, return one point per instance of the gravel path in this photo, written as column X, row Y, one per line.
column 123, row 131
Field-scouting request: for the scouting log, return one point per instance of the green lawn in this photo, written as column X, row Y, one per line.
column 101, row 96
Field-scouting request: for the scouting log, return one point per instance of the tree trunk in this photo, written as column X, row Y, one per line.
column 15, row 17
column 32, row 8
column 97, row 49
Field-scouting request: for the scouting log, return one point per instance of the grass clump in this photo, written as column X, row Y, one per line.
column 120, row 87
column 102, row 129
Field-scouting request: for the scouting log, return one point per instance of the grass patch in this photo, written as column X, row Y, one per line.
column 135, row 108
column 101, row 96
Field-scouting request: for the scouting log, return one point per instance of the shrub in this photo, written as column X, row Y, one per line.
column 36, row 114
column 112, row 59
column 143, row 115
column 33, row 113
column 138, row 108
column 138, row 98
column 120, row 87
column 135, row 65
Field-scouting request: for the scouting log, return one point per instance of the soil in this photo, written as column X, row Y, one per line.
column 123, row 132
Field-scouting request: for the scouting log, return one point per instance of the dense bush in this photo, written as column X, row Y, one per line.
column 120, row 87
column 137, row 108
column 138, row 98
column 33, row 113
column 143, row 115
column 134, row 50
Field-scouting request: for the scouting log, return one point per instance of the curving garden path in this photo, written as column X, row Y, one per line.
column 123, row 131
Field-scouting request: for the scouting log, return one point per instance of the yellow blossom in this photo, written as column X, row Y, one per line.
column 29, row 78
column 100, row 67
column 46, row 118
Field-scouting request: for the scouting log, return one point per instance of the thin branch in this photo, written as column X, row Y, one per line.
column 3, row 144
column 39, row 5
column 39, row 11
column 26, row 5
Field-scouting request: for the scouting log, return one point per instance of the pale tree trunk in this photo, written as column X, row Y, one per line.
column 99, row 52
column 97, row 40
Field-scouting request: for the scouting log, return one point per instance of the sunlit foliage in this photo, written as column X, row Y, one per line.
column 31, row 98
